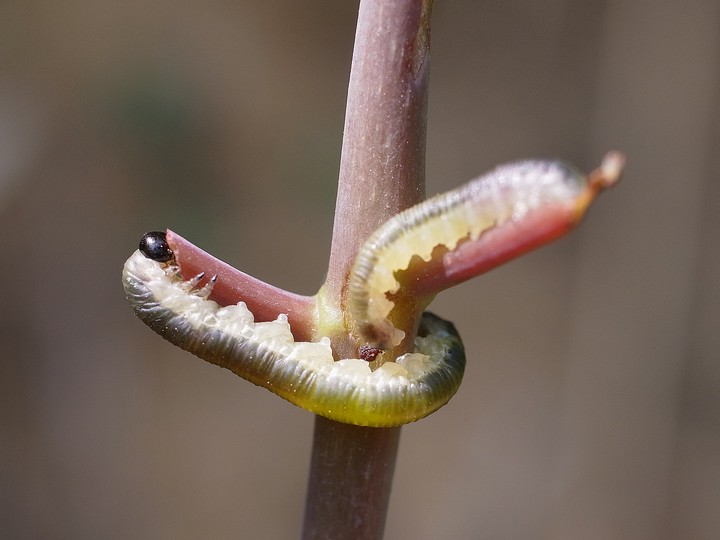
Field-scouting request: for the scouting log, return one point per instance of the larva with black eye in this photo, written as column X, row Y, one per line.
column 304, row 373
column 458, row 234
column 435, row 244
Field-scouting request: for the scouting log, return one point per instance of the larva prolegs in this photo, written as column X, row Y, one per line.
column 233, row 285
column 303, row 373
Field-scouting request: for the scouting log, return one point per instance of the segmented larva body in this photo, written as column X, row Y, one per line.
column 501, row 197
column 303, row 373
column 490, row 220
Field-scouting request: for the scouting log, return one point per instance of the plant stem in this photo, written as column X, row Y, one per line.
column 351, row 475
column 382, row 172
column 382, row 168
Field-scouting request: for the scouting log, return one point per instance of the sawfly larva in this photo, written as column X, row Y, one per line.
column 304, row 373
column 430, row 246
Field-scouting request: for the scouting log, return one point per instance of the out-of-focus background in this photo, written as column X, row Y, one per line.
column 591, row 404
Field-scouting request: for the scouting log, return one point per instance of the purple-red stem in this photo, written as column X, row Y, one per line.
column 382, row 172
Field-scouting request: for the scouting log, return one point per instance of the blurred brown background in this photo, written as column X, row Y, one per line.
column 591, row 404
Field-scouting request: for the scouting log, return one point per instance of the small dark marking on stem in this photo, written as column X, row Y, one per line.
column 368, row 353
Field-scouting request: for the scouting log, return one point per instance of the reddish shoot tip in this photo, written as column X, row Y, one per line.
column 609, row 172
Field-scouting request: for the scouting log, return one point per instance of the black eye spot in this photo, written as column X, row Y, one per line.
column 154, row 246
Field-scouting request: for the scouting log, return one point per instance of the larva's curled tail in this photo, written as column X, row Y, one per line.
column 305, row 374
column 459, row 234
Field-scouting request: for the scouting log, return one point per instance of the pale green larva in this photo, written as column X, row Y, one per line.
column 477, row 226
column 303, row 373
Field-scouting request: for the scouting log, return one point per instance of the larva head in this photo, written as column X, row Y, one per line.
column 154, row 246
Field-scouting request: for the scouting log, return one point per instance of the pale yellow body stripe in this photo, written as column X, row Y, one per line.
column 505, row 194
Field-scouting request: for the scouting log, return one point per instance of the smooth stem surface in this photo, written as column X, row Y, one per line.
column 342, row 454
column 382, row 168
column 381, row 173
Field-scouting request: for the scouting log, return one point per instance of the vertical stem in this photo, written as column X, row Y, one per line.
column 382, row 172
column 382, row 168
column 350, row 479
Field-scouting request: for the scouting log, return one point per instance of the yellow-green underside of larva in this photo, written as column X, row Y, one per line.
column 303, row 373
